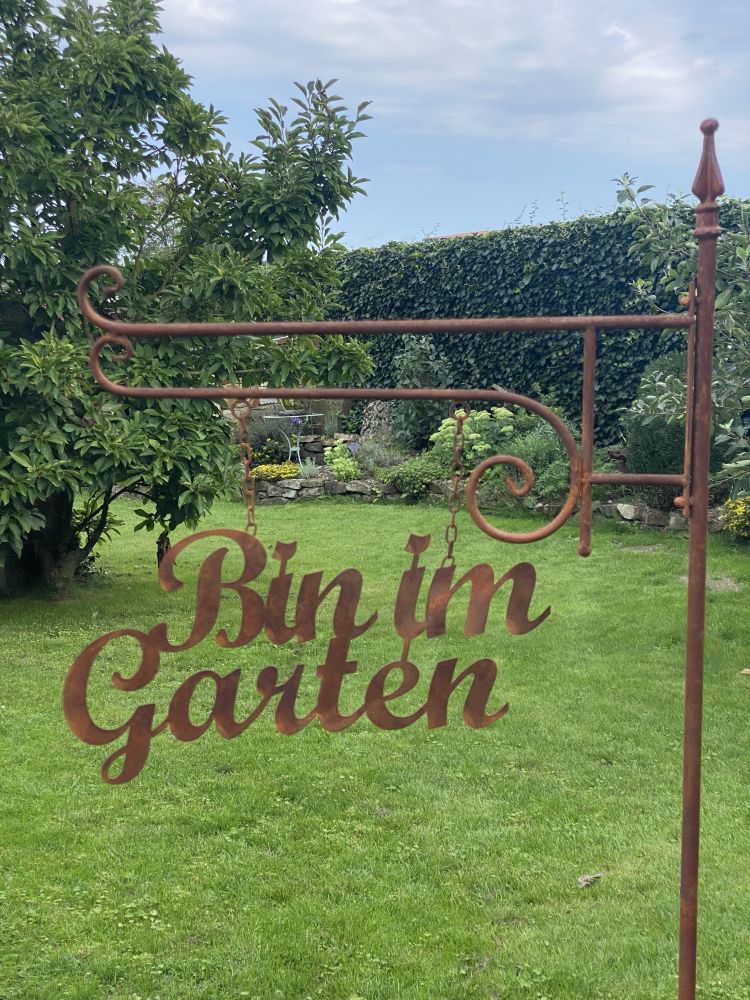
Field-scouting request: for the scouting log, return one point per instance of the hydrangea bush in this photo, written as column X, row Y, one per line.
column 484, row 433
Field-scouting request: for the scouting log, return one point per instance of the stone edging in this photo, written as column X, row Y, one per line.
column 368, row 491
column 635, row 513
column 288, row 490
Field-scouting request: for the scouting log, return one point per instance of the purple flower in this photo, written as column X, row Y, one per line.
column 296, row 421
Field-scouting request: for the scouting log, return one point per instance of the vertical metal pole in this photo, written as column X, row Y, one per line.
column 587, row 439
column 683, row 501
column 708, row 185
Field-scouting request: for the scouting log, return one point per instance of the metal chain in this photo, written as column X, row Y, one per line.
column 457, row 472
column 241, row 411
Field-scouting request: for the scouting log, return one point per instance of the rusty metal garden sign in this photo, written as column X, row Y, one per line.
column 270, row 614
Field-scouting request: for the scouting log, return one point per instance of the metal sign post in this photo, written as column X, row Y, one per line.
column 697, row 320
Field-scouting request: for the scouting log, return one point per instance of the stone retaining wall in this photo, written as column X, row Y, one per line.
column 642, row 514
column 286, row 490
column 368, row 491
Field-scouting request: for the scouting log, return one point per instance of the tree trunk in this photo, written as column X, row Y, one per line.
column 163, row 545
column 50, row 557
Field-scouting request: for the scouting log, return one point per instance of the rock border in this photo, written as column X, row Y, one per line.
column 371, row 491
column 290, row 490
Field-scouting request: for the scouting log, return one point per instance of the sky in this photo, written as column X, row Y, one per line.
column 488, row 113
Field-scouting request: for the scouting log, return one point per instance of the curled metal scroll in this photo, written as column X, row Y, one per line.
column 117, row 335
column 527, row 476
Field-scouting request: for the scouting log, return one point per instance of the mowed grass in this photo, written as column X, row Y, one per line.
column 366, row 864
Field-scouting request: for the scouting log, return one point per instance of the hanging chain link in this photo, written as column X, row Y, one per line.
column 457, row 473
column 241, row 411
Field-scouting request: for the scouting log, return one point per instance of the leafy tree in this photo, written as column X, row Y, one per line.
column 666, row 245
column 105, row 157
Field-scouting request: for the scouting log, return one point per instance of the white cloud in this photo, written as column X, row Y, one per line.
column 559, row 73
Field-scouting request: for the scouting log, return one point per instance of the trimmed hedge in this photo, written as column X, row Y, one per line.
column 566, row 268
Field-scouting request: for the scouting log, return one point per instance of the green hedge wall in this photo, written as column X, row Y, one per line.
column 578, row 267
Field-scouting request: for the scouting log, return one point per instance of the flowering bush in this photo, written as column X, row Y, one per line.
column 736, row 517
column 269, row 450
column 484, row 432
column 272, row 473
column 341, row 463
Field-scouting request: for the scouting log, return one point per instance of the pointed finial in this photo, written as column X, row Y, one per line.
column 708, row 183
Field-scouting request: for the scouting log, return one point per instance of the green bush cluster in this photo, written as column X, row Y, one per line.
column 655, row 442
column 498, row 430
column 485, row 433
column 413, row 477
column 378, row 453
column 341, row 463
column 545, row 454
column 419, row 365
column 655, row 446
column 502, row 431
column 269, row 450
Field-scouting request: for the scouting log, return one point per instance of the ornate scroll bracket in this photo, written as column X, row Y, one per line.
column 119, row 335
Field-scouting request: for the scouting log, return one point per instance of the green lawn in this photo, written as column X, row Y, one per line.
column 370, row 864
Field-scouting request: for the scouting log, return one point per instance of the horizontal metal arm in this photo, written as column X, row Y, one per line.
column 369, row 327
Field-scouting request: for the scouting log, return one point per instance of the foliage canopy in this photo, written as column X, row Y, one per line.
column 105, row 157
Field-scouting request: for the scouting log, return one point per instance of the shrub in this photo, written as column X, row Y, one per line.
column 378, row 453
column 309, row 469
column 654, row 445
column 268, row 444
column 486, row 432
column 270, row 451
column 272, row 473
column 350, row 421
column 736, row 517
column 501, row 431
column 341, row 463
column 413, row 477
column 655, row 442
column 545, row 454
column 673, row 363
column 419, row 366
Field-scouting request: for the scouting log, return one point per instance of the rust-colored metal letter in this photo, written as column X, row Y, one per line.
column 331, row 673
column 483, row 589
column 178, row 716
column 138, row 727
column 277, row 602
column 405, row 613
column 210, row 585
column 443, row 685
column 376, row 698
column 311, row 597
column 287, row 721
